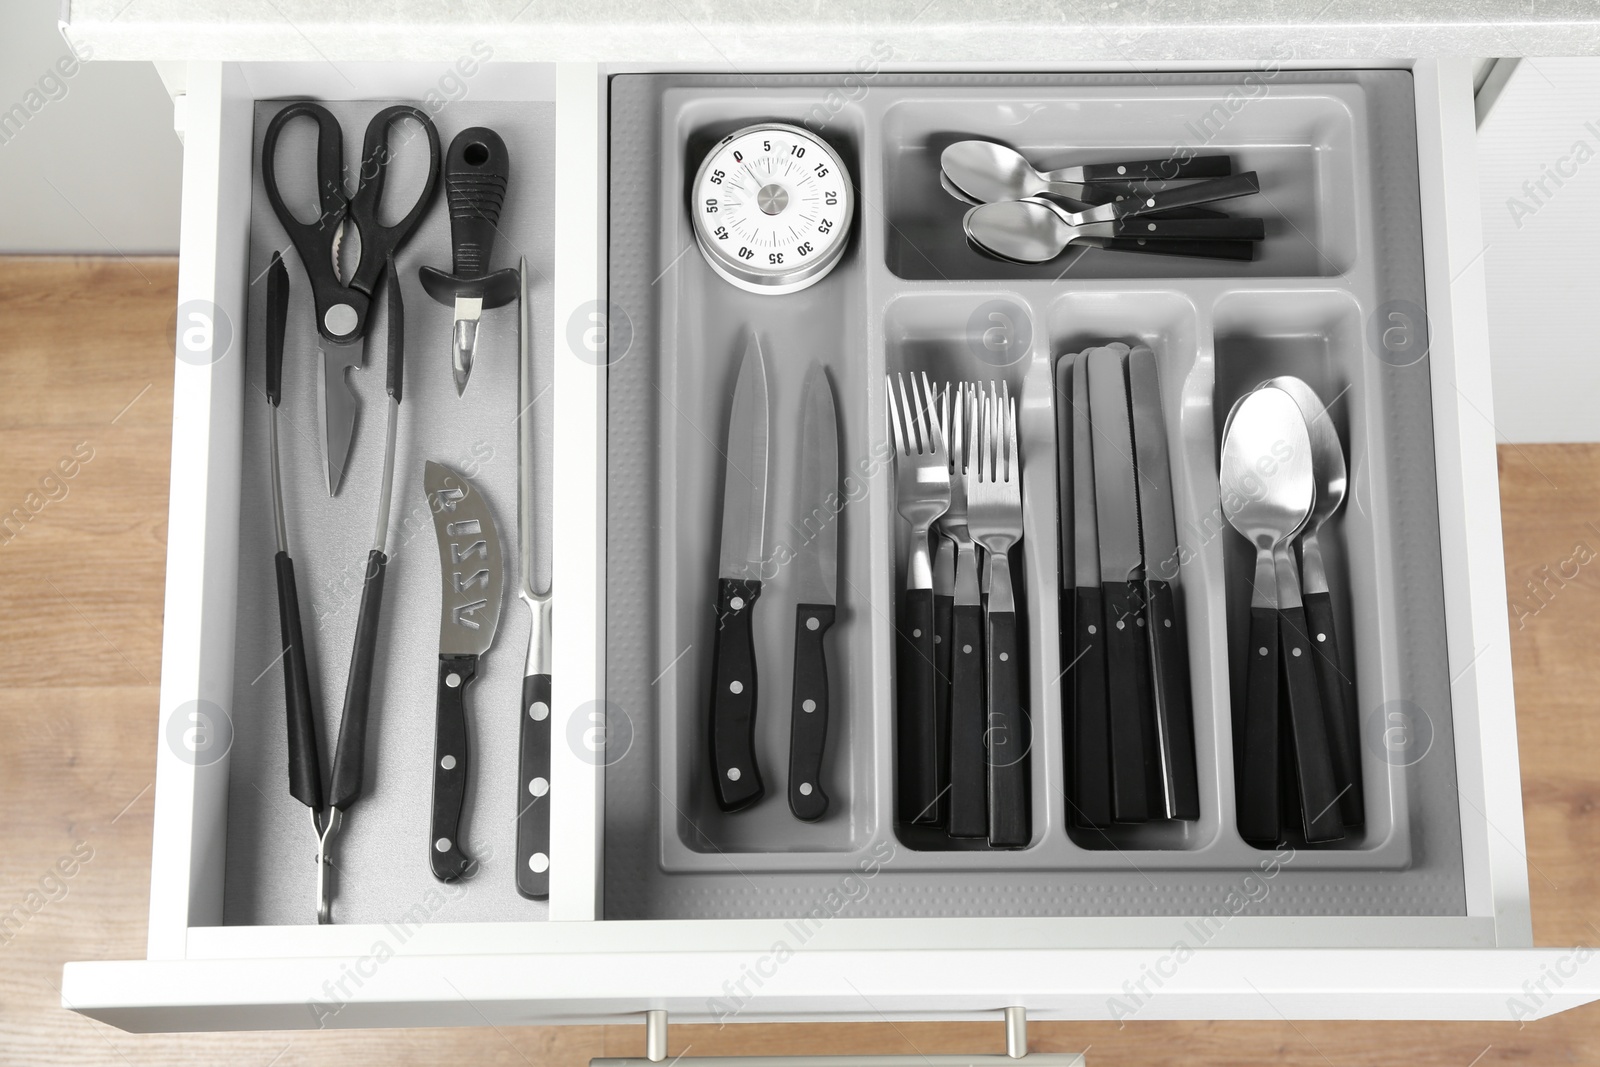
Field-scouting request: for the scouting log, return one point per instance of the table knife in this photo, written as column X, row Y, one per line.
column 1158, row 533
column 733, row 654
column 1091, row 738
column 533, row 749
column 817, row 570
column 1121, row 565
column 472, row 587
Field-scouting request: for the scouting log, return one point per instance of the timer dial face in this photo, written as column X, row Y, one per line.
column 772, row 207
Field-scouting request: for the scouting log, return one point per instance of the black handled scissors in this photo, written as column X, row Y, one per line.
column 343, row 306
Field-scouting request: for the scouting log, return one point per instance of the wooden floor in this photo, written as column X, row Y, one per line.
column 86, row 386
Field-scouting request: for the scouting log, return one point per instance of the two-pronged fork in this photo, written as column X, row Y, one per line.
column 994, row 517
column 922, row 494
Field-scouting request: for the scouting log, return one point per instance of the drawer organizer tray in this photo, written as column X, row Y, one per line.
column 1337, row 155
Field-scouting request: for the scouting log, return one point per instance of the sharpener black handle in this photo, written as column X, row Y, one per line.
column 733, row 696
column 277, row 326
column 305, row 771
column 1170, row 168
column 1090, row 758
column 915, row 721
column 1169, row 670
column 1128, row 702
column 969, row 765
column 349, row 758
column 808, row 713
column 450, row 747
column 1257, row 793
column 1313, row 762
column 533, row 798
column 1337, row 685
column 475, row 173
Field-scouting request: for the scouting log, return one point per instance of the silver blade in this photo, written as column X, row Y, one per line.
column 1116, row 500
column 336, row 405
column 1158, row 529
column 744, row 487
column 816, row 532
column 472, row 575
column 1085, row 534
column 464, row 339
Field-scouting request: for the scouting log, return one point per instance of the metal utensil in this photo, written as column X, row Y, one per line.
column 969, row 801
column 817, row 582
column 472, row 584
column 922, row 494
column 1037, row 230
column 988, row 172
column 533, row 749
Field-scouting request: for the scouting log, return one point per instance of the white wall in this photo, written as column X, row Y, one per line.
column 88, row 159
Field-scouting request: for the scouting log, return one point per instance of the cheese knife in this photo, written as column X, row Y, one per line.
column 472, row 587
column 1091, row 763
column 817, row 576
column 733, row 653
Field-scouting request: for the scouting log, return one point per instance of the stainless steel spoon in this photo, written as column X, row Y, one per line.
column 1036, row 230
column 990, row 172
column 1268, row 490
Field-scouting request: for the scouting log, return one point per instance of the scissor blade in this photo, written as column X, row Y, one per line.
column 336, row 406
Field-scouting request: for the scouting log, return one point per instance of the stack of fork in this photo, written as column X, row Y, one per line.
column 962, row 734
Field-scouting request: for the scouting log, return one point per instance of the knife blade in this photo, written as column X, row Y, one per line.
column 1158, row 530
column 817, row 581
column 337, row 405
column 1090, row 730
column 472, row 588
column 533, row 748
column 733, row 658
column 1121, row 566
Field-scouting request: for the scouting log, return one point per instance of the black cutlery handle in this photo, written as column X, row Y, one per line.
column 1313, row 763
column 1164, row 229
column 277, row 325
column 808, row 714
column 475, row 173
column 305, row 772
column 1338, row 689
column 1127, row 696
column 733, row 696
column 349, row 758
column 1170, row 168
column 450, row 747
column 533, row 798
column 1189, row 195
column 1169, row 669
column 943, row 611
column 969, row 773
column 914, row 723
column 1257, row 774
column 1091, row 738
column 1008, row 736
column 1239, row 251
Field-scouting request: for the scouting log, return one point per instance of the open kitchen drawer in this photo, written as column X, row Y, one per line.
column 568, row 963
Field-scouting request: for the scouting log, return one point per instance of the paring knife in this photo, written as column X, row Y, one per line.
column 1091, row 764
column 1128, row 690
column 817, row 576
column 473, row 585
column 533, row 750
column 1158, row 533
column 733, row 654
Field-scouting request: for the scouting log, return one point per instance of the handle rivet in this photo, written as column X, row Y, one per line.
column 1122, row 170
column 1320, row 637
column 733, row 774
column 442, row 845
column 538, row 863
column 1004, row 656
column 538, row 787
column 1121, row 625
column 453, row 680
column 1294, row 652
column 340, row 320
column 736, row 686
column 1262, row 651
column 967, row 649
column 737, row 603
column 1091, row 628
column 812, row 623
column 809, row 705
column 1167, row 623
column 916, row 633
column 805, row 789
column 539, row 712
column 448, row 763
column 1138, row 622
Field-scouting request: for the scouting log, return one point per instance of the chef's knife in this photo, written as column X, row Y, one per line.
column 533, row 750
column 1091, row 763
column 733, row 654
column 817, row 577
column 473, row 581
column 1117, row 518
column 1158, row 531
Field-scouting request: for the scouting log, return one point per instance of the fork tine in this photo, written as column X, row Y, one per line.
column 936, row 442
column 1011, row 427
column 944, row 423
column 908, row 412
column 896, row 432
column 958, row 437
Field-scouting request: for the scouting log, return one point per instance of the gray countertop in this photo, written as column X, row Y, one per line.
column 835, row 34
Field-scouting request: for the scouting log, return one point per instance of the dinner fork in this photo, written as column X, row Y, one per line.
column 922, row 494
column 994, row 517
column 969, row 804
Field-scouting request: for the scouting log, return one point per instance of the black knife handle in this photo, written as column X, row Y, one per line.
column 305, row 772
column 1008, row 736
column 1144, row 227
column 1091, row 731
column 808, row 713
column 450, row 747
column 1205, row 192
column 969, row 771
column 1127, row 694
column 476, row 170
column 1169, row 669
column 349, row 758
column 533, row 798
column 1257, row 776
column 943, row 612
column 1313, row 763
column 733, row 696
column 1242, row 251
column 914, row 723
column 1338, row 689
column 1160, row 170
column 277, row 325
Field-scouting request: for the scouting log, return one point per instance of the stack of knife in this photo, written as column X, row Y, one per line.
column 1130, row 730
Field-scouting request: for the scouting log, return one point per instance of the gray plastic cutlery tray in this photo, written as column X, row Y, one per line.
column 1336, row 152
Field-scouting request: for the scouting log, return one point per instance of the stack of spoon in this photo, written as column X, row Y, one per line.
column 1282, row 477
column 1025, row 216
